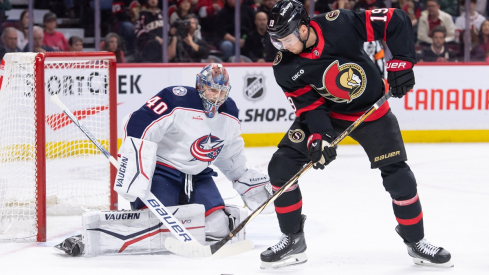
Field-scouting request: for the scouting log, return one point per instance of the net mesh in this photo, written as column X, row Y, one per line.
column 77, row 174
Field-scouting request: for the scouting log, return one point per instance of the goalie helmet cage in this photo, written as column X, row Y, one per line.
column 47, row 165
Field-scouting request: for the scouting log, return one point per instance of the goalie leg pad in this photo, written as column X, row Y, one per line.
column 220, row 223
column 136, row 232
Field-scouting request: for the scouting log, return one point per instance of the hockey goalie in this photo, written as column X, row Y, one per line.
column 168, row 146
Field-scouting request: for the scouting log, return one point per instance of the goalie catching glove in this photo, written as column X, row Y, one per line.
column 137, row 164
column 254, row 188
column 400, row 76
column 319, row 151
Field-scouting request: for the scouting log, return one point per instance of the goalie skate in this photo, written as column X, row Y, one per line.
column 424, row 253
column 290, row 250
column 72, row 246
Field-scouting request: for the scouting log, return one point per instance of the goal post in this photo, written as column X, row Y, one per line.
column 47, row 165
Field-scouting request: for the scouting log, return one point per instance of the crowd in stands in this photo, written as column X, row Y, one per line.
column 203, row 30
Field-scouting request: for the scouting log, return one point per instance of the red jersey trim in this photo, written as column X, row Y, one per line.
column 299, row 92
column 353, row 117
column 164, row 164
column 288, row 209
column 320, row 47
column 313, row 106
column 368, row 25
column 410, row 221
column 210, row 211
column 406, row 202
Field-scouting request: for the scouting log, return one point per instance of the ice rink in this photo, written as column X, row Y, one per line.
column 349, row 230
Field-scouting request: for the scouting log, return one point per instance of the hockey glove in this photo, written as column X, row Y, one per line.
column 400, row 77
column 319, row 151
column 254, row 188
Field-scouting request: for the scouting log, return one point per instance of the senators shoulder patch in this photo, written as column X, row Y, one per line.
column 296, row 135
column 278, row 58
column 332, row 15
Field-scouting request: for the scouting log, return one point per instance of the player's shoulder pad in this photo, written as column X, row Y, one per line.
column 229, row 107
column 180, row 97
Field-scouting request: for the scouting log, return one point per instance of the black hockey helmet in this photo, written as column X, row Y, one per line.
column 285, row 17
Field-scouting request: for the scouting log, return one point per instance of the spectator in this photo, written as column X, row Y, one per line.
column 9, row 40
column 484, row 38
column 437, row 52
column 476, row 20
column 113, row 44
column 4, row 6
column 189, row 48
column 149, row 28
column 266, row 6
column 207, row 11
column 257, row 45
column 369, row 5
column 432, row 17
column 22, row 27
column 476, row 52
column 449, row 6
column 181, row 12
column 126, row 12
column 411, row 7
column 481, row 7
column 75, row 44
column 225, row 27
column 38, row 35
column 53, row 38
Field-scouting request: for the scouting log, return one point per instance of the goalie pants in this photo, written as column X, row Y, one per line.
column 168, row 186
column 382, row 141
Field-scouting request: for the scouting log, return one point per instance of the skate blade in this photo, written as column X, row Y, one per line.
column 295, row 259
column 424, row 262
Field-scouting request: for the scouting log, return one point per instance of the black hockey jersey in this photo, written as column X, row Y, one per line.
column 335, row 77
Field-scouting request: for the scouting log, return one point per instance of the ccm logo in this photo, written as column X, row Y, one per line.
column 398, row 65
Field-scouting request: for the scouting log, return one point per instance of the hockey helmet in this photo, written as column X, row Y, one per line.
column 213, row 86
column 284, row 19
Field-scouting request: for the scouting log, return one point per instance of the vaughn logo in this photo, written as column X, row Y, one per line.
column 254, row 88
column 121, row 172
column 122, row 216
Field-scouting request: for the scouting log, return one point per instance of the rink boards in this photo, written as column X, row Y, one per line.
column 450, row 102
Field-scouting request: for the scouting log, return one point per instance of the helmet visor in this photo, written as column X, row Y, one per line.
column 286, row 42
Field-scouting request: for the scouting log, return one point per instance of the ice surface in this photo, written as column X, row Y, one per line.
column 349, row 230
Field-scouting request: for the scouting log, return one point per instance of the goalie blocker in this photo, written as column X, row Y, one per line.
column 139, row 231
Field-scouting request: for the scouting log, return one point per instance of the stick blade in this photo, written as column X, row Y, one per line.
column 191, row 249
column 196, row 250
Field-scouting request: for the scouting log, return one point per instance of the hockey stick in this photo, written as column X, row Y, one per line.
column 190, row 250
column 160, row 211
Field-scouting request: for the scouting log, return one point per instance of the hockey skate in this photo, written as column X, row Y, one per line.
column 424, row 253
column 290, row 250
column 72, row 246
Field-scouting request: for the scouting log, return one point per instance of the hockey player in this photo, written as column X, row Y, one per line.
column 188, row 129
column 330, row 82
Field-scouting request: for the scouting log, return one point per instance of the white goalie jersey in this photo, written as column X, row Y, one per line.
column 187, row 139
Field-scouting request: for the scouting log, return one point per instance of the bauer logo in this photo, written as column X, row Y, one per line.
column 386, row 156
column 254, row 88
column 121, row 172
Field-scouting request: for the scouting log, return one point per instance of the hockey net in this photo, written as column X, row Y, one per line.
column 47, row 165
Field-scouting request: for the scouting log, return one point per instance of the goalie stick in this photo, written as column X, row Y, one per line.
column 165, row 216
column 191, row 250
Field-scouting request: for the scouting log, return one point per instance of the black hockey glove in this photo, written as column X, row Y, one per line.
column 400, row 77
column 319, row 151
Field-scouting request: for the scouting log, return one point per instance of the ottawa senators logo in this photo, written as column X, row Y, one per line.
column 296, row 135
column 278, row 58
column 343, row 83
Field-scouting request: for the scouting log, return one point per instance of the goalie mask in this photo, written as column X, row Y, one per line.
column 213, row 86
column 284, row 21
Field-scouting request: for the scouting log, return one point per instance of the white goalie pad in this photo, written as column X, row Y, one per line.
column 136, row 232
column 236, row 216
column 137, row 164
